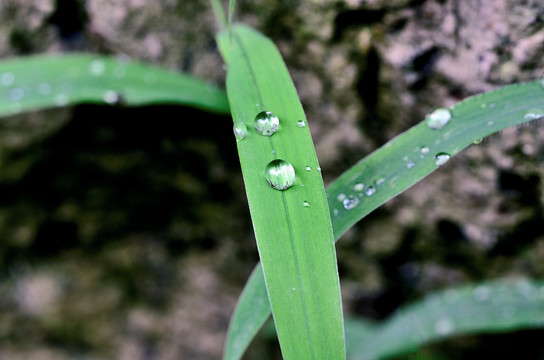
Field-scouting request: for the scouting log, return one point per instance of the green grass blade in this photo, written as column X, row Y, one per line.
column 219, row 13
column 292, row 227
column 47, row 81
column 489, row 307
column 473, row 119
column 401, row 163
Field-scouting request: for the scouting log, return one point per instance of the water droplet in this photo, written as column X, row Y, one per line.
column 477, row 141
column 533, row 114
column 240, row 130
column 111, row 97
column 61, row 100
column 97, row 67
column 17, row 94
column 7, row 79
column 266, row 123
column 423, row 150
column 492, row 105
column 45, row 88
column 489, row 123
column 335, row 212
column 524, row 288
column 301, row 123
column 273, row 151
column 350, row 202
column 279, row 174
column 305, row 204
column 358, row 187
column 410, row 164
column 481, row 293
column 439, row 118
column 307, row 168
column 380, row 181
column 341, row 197
column 370, row 190
column 318, row 169
column 443, row 326
column 441, row 158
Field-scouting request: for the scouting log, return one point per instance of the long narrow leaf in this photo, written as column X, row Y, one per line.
column 402, row 162
column 494, row 306
column 46, row 81
column 292, row 226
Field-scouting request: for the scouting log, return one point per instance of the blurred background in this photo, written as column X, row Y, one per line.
column 125, row 233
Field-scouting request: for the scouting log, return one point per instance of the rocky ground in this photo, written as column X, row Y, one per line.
column 124, row 233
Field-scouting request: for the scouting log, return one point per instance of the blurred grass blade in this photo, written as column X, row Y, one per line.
column 487, row 307
column 219, row 13
column 292, row 227
column 408, row 158
column 46, row 81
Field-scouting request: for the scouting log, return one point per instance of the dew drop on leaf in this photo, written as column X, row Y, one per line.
column 7, row 79
column 423, row 150
column 279, row 174
column 301, row 123
column 370, row 190
column 358, row 187
column 443, row 326
column 305, row 204
column 111, row 97
column 17, row 94
column 266, row 123
column 439, row 118
column 97, row 67
column 341, row 197
column 350, row 202
column 45, row 88
column 240, row 130
column 441, row 158
column 533, row 114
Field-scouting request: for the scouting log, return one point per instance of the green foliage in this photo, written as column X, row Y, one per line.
column 290, row 218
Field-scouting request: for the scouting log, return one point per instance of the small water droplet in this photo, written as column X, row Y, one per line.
column 301, row 123
column 111, row 97
column 335, row 212
column 439, row 118
column 441, row 158
column 305, row 204
column 273, row 151
column 350, row 202
column 266, row 123
column 97, row 67
column 17, row 94
column 477, row 141
column 318, row 169
column 410, row 164
column 492, row 105
column 61, row 100
column 534, row 114
column 7, row 79
column 279, row 174
column 489, row 123
column 358, row 187
column 370, row 190
column 424, row 150
column 293, row 289
column 45, row 88
column 380, row 181
column 307, row 168
column 341, row 197
column 481, row 293
column 443, row 326
column 240, row 130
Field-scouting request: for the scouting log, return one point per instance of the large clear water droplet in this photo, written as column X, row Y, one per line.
column 279, row 174
column 301, row 123
column 439, row 118
column 240, row 130
column 266, row 123
column 441, row 158
column 350, row 202
column 7, row 79
column 533, row 114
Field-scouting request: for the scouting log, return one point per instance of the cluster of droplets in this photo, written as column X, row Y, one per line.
column 360, row 190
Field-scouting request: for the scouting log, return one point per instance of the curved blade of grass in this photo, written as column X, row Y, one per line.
column 494, row 306
column 46, row 81
column 399, row 164
column 295, row 241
